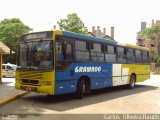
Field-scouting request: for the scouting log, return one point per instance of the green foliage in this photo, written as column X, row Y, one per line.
column 152, row 33
column 72, row 23
column 153, row 55
column 11, row 30
column 158, row 60
column 9, row 58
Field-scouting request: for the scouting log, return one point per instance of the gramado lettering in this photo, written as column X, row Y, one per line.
column 88, row 69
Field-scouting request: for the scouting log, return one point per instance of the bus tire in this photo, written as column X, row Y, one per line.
column 132, row 81
column 80, row 88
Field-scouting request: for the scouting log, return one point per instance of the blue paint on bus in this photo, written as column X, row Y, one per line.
column 66, row 81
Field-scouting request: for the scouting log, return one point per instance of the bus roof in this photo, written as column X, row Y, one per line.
column 92, row 38
column 103, row 40
column 87, row 37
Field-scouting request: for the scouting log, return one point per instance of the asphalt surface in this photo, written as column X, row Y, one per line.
column 144, row 99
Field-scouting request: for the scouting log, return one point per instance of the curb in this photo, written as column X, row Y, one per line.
column 7, row 100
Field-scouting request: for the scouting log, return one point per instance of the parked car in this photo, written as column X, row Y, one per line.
column 8, row 70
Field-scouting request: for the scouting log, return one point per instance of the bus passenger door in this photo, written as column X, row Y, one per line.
column 64, row 73
column 125, row 75
column 120, row 74
column 117, row 74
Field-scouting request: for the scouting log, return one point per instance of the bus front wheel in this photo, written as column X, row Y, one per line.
column 81, row 87
column 132, row 82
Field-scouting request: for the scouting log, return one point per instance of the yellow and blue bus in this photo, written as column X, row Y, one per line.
column 58, row 62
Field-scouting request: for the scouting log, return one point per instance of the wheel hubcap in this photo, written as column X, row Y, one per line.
column 132, row 82
column 84, row 87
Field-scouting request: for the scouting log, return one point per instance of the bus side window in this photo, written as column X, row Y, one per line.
column 67, row 51
column 130, row 55
column 63, row 51
column 59, row 52
column 138, row 54
column 110, row 53
column 64, row 55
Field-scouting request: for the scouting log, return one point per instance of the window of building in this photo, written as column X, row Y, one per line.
column 152, row 45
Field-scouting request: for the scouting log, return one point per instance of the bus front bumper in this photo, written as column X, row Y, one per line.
column 38, row 89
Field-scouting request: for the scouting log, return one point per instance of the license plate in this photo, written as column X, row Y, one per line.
column 29, row 88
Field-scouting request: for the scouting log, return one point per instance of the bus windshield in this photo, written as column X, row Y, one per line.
column 36, row 55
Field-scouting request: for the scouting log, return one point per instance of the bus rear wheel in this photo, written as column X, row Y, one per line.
column 81, row 88
column 132, row 82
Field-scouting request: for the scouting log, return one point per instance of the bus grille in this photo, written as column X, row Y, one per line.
column 31, row 75
column 30, row 81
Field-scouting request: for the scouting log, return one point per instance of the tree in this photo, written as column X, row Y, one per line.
column 11, row 30
column 72, row 23
column 152, row 34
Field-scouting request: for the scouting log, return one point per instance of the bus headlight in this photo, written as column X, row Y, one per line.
column 48, row 83
column 45, row 82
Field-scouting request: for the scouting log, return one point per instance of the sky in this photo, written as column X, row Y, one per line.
column 125, row 15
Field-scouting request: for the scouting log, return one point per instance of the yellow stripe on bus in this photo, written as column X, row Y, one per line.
column 56, row 32
column 137, row 47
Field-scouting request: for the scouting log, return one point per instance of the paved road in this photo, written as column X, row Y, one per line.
column 145, row 98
